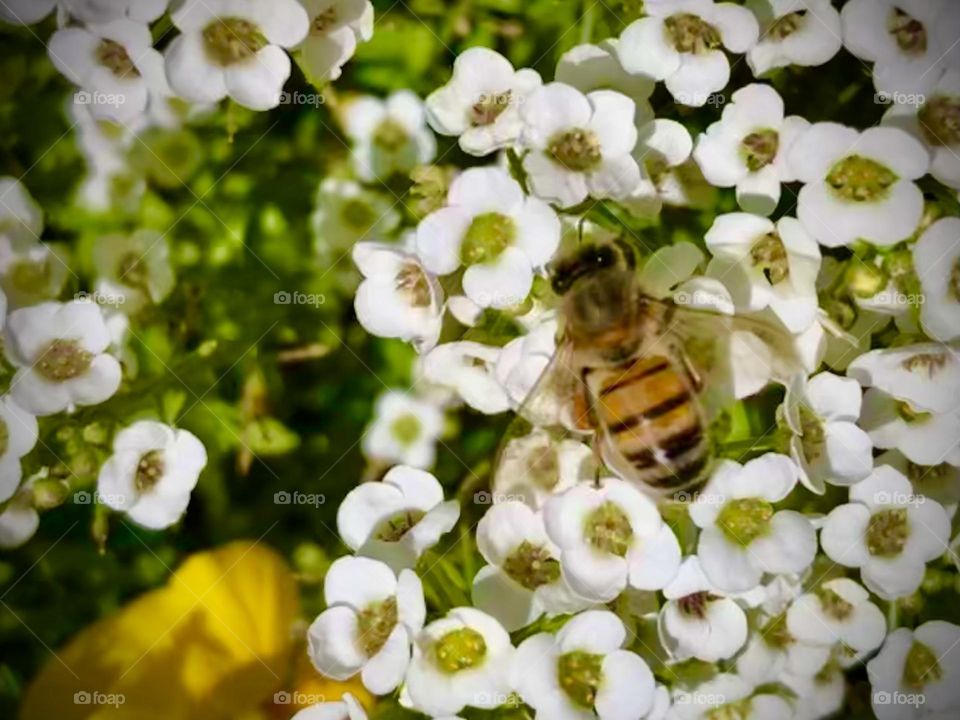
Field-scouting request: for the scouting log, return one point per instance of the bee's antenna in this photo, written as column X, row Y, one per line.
column 580, row 225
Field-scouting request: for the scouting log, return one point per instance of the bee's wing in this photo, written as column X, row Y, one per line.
column 763, row 342
column 550, row 402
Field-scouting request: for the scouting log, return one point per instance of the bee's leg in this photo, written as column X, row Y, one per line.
column 695, row 379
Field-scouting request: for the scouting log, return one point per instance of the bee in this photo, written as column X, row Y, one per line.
column 624, row 365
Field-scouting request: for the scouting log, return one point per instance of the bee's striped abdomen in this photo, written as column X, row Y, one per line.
column 651, row 421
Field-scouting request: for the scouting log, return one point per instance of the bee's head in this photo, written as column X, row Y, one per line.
column 599, row 296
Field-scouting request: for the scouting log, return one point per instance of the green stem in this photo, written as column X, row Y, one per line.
column 587, row 21
column 893, row 615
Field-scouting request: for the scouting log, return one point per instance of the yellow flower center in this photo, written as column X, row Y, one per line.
column 859, row 179
column 231, row 40
column 113, row 56
column 63, row 360
column 759, row 148
column 532, row 566
column 940, row 120
column 921, row 666
column 460, row 650
column 744, row 520
column 577, row 150
column 149, row 470
column 887, row 532
column 375, row 623
column 487, row 237
column 689, row 33
column 908, row 32
column 770, row 255
column 396, row 526
column 580, row 674
column 489, row 107
column 608, row 529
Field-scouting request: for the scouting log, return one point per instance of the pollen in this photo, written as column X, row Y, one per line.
column 232, row 40
column 744, row 520
column 374, row 625
column 859, row 179
column 577, row 150
column 63, row 360
column 689, row 33
column 887, row 532
column 532, row 566
column 460, row 650
column 608, row 529
column 580, row 674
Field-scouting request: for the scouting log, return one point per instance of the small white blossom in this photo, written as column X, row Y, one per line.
column 909, row 41
column 911, row 403
column 467, row 368
column 583, row 672
column 404, row 430
column 462, row 659
column 932, row 123
column 766, row 265
column 917, row 673
column 111, row 181
column 234, row 48
column 681, row 42
column 135, row 270
column 579, row 145
column 151, row 474
column 19, row 519
column 697, row 621
column 347, row 213
column 826, row 442
column 523, row 361
column 838, row 613
column 336, row 27
column 742, row 535
column 371, row 619
column 21, row 218
column 390, row 137
column 748, row 147
column 522, row 581
column 938, row 482
column 859, row 185
column 481, row 103
column 936, row 260
column 500, row 236
column 663, row 154
column 346, row 708
column 536, row 466
column 396, row 519
column 728, row 695
column 818, row 696
column 18, row 436
column 61, row 352
column 398, row 297
column 887, row 532
column 794, row 32
column 773, row 653
column 611, row 536
column 109, row 63
column 28, row 12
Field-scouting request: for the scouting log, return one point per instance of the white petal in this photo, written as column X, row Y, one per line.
column 384, row 672
column 790, row 545
column 190, row 74
column 643, row 50
column 502, row 283
column 843, row 537
column 594, row 631
column 699, row 77
column 258, row 83
column 358, row 582
column 626, row 692
column 728, row 566
column 504, row 599
column 332, row 643
column 656, row 561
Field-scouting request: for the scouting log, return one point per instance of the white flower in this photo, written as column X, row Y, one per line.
column 21, row 218
column 347, row 213
column 728, row 695
column 748, row 147
column 111, row 180
column 61, row 352
column 909, row 41
column 818, row 696
column 389, row 136
column 911, row 404
column 773, row 652
column 481, row 103
column 151, row 473
column 742, row 536
column 135, row 270
column 404, row 430
column 767, row 265
column 583, row 672
column 336, row 26
column 108, row 63
column 536, row 466
column 916, row 673
column 682, row 42
column 887, row 532
column 825, row 442
column 611, row 536
column 523, row 361
column 697, row 621
column 30, row 271
column 597, row 67
column 579, row 145
column 500, row 236
column 838, row 612
column 371, row 619
column 19, row 519
column 936, row 260
column 522, row 580
column 467, row 368
column 18, row 436
column 461, row 659
column 794, row 32
column 398, row 297
column 932, row 122
column 346, row 708
column 663, row 154
column 859, row 185
column 937, row 482
column 234, row 48
column 28, row 12
column 395, row 520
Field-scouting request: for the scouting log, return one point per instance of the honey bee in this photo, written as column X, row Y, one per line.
column 623, row 363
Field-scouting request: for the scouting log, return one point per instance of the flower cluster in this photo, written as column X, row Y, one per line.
column 824, row 500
